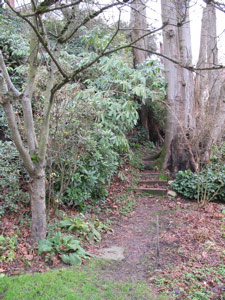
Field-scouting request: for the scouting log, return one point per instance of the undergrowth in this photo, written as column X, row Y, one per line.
column 209, row 184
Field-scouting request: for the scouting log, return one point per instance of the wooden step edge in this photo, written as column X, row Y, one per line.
column 148, row 162
column 153, row 177
column 153, row 181
column 152, row 191
column 154, row 173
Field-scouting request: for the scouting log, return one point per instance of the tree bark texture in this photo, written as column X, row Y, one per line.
column 38, row 208
column 196, row 112
column 138, row 24
column 180, row 91
column 209, row 87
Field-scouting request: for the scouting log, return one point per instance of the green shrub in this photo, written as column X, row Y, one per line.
column 90, row 138
column 12, row 32
column 11, row 170
column 210, row 183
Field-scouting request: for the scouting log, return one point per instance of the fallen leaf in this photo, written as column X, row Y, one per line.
column 29, row 257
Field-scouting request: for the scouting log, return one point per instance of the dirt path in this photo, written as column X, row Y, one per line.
column 137, row 235
column 191, row 247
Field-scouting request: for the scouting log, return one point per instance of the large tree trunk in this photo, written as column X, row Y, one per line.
column 195, row 118
column 206, row 90
column 180, row 105
column 38, row 208
column 138, row 25
column 209, row 87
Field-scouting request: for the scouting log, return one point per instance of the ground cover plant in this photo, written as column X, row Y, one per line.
column 206, row 185
column 210, row 182
column 65, row 246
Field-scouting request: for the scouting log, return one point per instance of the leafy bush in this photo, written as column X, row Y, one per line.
column 11, row 171
column 65, row 246
column 12, row 32
column 92, row 127
column 84, row 228
column 7, row 248
column 209, row 183
column 90, row 117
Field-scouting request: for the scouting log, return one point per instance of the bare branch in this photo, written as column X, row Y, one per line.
column 86, row 20
column 27, row 95
column 220, row 5
column 188, row 67
column 114, row 35
column 7, row 106
column 6, row 76
column 41, row 39
column 43, row 11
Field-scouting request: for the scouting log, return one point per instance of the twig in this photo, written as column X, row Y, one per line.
column 157, row 237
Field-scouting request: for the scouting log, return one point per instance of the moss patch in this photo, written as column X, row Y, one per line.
column 158, row 163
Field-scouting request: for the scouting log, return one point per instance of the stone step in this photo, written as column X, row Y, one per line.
column 148, row 164
column 151, row 175
column 153, row 181
column 152, row 191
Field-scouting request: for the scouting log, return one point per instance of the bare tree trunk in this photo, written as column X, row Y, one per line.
column 38, row 207
column 184, row 34
column 209, row 86
column 180, row 105
column 138, row 24
column 206, row 95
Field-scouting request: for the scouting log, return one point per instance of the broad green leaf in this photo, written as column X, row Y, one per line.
column 72, row 259
column 44, row 246
column 66, row 223
column 73, row 245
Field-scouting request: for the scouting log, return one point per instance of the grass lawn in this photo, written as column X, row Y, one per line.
column 75, row 283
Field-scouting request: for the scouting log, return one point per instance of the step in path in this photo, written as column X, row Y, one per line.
column 152, row 182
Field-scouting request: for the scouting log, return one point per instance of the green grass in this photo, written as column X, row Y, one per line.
column 78, row 283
